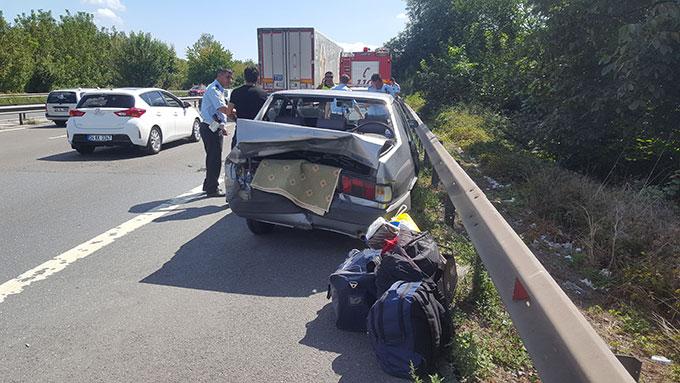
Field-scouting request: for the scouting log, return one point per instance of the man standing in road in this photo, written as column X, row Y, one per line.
column 246, row 100
column 214, row 115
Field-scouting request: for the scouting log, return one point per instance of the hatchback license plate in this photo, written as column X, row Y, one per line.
column 100, row 137
column 61, row 109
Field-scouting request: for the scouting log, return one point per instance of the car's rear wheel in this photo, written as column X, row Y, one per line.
column 153, row 145
column 60, row 124
column 84, row 149
column 259, row 228
column 195, row 131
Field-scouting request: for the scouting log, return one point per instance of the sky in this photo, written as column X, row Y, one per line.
column 353, row 24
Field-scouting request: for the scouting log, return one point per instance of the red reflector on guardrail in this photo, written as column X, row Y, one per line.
column 519, row 293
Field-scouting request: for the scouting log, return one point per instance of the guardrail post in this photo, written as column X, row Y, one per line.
column 435, row 179
column 449, row 210
column 21, row 118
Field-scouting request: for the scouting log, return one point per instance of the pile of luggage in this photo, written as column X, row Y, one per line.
column 391, row 291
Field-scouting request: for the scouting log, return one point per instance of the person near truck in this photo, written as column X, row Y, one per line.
column 344, row 83
column 214, row 115
column 327, row 82
column 339, row 109
column 246, row 100
column 377, row 85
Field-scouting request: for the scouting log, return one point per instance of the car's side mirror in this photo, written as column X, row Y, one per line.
column 186, row 104
column 413, row 124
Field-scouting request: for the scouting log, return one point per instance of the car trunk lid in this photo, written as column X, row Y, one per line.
column 264, row 139
column 100, row 110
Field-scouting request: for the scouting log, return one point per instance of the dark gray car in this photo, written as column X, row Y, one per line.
column 365, row 135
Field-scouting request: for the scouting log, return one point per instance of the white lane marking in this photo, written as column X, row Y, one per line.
column 59, row 263
column 10, row 130
column 55, row 137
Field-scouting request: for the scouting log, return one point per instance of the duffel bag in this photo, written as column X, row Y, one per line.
column 352, row 289
column 407, row 326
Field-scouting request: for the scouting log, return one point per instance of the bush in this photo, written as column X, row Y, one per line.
column 22, row 100
column 457, row 126
column 415, row 101
column 633, row 233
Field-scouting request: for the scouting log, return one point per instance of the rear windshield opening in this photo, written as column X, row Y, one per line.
column 345, row 114
column 106, row 101
column 61, row 98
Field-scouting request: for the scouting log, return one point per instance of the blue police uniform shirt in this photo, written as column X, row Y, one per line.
column 341, row 86
column 213, row 99
column 389, row 89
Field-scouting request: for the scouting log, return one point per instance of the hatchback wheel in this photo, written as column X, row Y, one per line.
column 60, row 124
column 153, row 146
column 195, row 131
column 259, row 228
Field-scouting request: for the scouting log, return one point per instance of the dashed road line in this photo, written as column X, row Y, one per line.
column 10, row 130
column 55, row 137
column 60, row 262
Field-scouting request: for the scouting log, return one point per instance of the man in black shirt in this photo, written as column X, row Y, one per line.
column 246, row 100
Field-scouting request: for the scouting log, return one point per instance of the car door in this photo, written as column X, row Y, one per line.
column 161, row 115
column 181, row 119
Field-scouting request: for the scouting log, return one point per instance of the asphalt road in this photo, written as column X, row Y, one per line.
column 112, row 270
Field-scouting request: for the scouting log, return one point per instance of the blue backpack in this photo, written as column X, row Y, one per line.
column 408, row 325
column 352, row 289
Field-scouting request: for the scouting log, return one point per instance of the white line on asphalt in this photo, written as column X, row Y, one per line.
column 55, row 137
column 10, row 130
column 59, row 263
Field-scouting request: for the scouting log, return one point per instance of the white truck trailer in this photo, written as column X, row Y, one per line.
column 295, row 58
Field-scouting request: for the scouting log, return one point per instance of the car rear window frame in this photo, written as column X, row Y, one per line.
column 72, row 100
column 86, row 97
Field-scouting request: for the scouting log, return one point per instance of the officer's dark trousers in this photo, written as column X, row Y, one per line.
column 212, row 142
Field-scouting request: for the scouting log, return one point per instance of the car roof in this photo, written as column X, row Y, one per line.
column 74, row 90
column 336, row 93
column 129, row 91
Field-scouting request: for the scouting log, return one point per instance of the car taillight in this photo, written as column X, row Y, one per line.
column 132, row 112
column 76, row 113
column 365, row 189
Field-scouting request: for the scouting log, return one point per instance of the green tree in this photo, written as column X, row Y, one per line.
column 84, row 49
column 16, row 63
column 238, row 67
column 205, row 57
column 180, row 79
column 142, row 61
column 40, row 28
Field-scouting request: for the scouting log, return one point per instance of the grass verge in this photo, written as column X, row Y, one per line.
column 613, row 249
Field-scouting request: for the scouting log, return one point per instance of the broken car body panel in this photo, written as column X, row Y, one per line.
column 263, row 139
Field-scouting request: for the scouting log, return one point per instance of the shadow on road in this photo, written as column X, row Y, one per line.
column 228, row 258
column 179, row 213
column 356, row 362
column 48, row 126
column 106, row 153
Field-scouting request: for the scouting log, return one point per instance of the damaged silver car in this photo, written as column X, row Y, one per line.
column 330, row 160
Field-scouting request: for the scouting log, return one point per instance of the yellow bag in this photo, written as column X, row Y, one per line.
column 403, row 218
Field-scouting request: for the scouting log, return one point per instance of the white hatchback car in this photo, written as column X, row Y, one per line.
column 60, row 102
column 143, row 117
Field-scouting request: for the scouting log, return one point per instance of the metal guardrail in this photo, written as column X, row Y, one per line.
column 21, row 110
column 563, row 345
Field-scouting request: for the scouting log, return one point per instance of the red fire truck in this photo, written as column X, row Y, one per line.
column 359, row 66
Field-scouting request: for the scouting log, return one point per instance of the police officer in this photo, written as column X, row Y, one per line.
column 214, row 109
column 377, row 85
